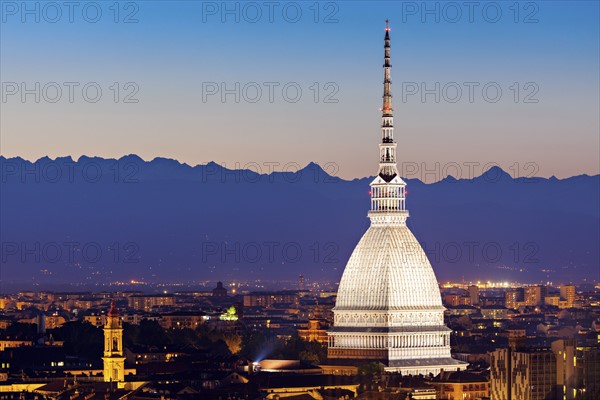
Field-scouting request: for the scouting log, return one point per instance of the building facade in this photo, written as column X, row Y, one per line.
column 150, row 301
column 534, row 295
column 565, row 371
column 522, row 374
column 514, row 298
column 567, row 294
column 461, row 385
column 577, row 370
column 267, row 299
column 388, row 307
column 316, row 329
column 474, row 294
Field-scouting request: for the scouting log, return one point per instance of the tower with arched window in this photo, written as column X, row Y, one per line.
column 114, row 361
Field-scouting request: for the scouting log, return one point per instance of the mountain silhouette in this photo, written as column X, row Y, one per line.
column 96, row 221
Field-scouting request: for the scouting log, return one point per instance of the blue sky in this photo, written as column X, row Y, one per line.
column 177, row 49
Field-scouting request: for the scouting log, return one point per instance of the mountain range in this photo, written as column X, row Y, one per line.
column 96, row 220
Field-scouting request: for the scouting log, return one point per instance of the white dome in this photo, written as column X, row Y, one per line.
column 388, row 270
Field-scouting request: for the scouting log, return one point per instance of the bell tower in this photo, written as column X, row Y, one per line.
column 114, row 361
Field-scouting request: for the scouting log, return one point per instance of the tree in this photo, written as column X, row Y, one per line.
column 151, row 333
column 260, row 345
column 371, row 369
column 21, row 330
column 131, row 334
column 185, row 337
column 81, row 339
column 317, row 349
column 233, row 342
column 465, row 322
column 308, row 356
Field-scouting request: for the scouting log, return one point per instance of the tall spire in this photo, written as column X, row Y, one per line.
column 387, row 79
column 388, row 307
column 387, row 162
column 387, row 190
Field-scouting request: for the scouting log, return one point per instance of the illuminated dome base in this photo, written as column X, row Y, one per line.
column 389, row 307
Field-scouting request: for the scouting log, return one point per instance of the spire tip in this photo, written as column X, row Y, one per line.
column 113, row 309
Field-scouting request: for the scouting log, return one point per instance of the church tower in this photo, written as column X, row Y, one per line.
column 114, row 361
column 388, row 307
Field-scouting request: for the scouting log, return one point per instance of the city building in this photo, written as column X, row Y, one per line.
column 454, row 300
column 9, row 343
column 114, row 360
column 563, row 371
column 316, row 329
column 305, row 386
column 522, row 374
column 514, row 298
column 219, row 291
column 388, row 307
column 474, row 294
column 97, row 320
column 461, row 385
column 567, row 294
column 151, row 354
column 182, row 319
column 577, row 370
column 267, row 299
column 494, row 312
column 552, row 301
column 534, row 295
column 147, row 302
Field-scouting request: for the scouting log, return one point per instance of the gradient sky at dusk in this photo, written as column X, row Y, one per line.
column 175, row 47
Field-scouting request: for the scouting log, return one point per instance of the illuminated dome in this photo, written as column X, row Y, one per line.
column 388, row 307
column 388, row 270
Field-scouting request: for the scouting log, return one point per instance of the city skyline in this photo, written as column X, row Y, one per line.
column 198, row 202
